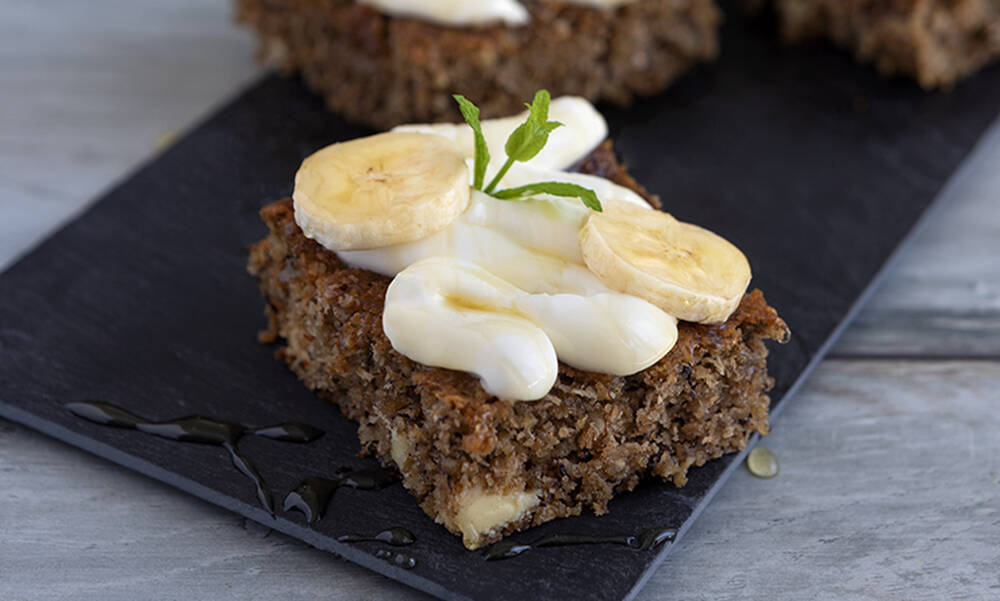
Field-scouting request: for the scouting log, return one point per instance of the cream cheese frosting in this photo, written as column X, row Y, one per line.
column 455, row 12
column 509, row 289
column 464, row 13
column 583, row 129
column 503, row 291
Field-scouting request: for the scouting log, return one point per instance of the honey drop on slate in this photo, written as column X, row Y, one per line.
column 762, row 463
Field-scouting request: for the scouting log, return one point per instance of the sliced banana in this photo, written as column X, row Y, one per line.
column 687, row 271
column 583, row 129
column 382, row 190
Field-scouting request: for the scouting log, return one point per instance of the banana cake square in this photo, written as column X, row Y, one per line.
column 484, row 467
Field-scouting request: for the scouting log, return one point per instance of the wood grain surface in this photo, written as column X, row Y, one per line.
column 890, row 455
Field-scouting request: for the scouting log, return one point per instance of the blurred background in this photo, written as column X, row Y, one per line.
column 93, row 89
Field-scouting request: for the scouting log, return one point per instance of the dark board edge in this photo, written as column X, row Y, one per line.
column 735, row 461
column 939, row 204
column 941, row 200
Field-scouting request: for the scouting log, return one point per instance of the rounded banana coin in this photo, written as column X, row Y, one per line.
column 381, row 190
column 687, row 271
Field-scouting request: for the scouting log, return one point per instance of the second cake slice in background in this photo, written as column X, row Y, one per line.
column 936, row 42
column 384, row 69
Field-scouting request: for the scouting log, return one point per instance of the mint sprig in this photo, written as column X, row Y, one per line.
column 471, row 114
column 529, row 138
column 523, row 144
column 564, row 189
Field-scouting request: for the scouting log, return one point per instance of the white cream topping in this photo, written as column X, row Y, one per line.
column 583, row 129
column 452, row 313
column 455, row 12
column 605, row 4
column 477, row 12
column 527, row 242
column 503, row 292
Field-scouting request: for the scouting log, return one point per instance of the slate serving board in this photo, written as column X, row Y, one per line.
column 814, row 166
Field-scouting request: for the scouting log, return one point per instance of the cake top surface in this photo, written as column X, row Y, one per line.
column 506, row 263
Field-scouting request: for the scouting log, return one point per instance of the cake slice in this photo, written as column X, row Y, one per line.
column 485, row 466
column 936, row 42
column 385, row 63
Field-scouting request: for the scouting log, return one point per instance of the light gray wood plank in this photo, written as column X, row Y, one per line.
column 73, row 526
column 943, row 296
column 90, row 87
column 889, row 488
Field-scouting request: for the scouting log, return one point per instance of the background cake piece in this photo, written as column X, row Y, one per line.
column 385, row 70
column 936, row 42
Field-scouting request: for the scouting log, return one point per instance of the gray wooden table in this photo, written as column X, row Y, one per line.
column 890, row 455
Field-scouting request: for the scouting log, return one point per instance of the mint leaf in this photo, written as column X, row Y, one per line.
column 471, row 114
column 538, row 110
column 524, row 144
column 563, row 189
column 529, row 138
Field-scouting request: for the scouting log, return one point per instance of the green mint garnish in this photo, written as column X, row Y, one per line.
column 524, row 144
column 588, row 196
column 471, row 114
column 529, row 138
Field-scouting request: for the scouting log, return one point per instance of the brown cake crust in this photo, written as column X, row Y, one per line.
column 936, row 42
column 384, row 70
column 592, row 436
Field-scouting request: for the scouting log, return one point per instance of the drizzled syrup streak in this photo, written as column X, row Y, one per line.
column 313, row 495
column 645, row 541
column 397, row 537
column 199, row 429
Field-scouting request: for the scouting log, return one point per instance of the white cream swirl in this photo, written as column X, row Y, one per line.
column 453, row 313
column 480, row 12
column 503, row 293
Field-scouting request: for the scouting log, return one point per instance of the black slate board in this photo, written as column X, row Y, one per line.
column 814, row 166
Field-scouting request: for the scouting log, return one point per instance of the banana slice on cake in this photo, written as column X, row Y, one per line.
column 687, row 271
column 381, row 190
